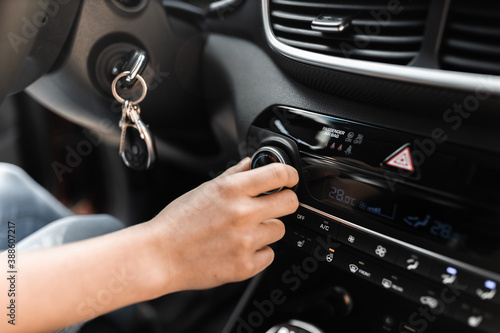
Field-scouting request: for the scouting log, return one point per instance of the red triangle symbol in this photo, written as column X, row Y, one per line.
column 402, row 160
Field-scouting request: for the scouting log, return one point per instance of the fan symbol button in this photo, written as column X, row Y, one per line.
column 380, row 251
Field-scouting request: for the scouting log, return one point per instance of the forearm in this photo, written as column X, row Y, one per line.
column 62, row 286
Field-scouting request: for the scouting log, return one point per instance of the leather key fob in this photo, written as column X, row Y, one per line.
column 139, row 154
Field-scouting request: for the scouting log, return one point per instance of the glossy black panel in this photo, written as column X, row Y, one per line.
column 425, row 191
column 439, row 166
column 455, row 225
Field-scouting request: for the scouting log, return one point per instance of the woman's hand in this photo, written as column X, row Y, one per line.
column 215, row 234
column 220, row 231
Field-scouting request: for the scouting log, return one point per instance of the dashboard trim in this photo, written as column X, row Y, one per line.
column 466, row 266
column 434, row 77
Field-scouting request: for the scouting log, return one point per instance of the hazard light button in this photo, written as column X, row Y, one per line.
column 400, row 159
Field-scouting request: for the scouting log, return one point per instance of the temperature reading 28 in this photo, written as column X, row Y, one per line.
column 339, row 195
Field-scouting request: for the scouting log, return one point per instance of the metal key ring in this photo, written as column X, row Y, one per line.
column 122, row 100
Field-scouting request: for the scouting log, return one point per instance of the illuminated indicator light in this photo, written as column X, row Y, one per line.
column 451, row 270
column 331, row 250
column 490, row 284
column 262, row 156
column 271, row 157
column 402, row 160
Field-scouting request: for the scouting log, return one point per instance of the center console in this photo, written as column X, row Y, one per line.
column 394, row 233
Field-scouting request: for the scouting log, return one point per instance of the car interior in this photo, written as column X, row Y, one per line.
column 388, row 109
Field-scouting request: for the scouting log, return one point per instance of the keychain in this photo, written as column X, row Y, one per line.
column 137, row 146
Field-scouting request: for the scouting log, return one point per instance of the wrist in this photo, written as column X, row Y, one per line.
column 150, row 262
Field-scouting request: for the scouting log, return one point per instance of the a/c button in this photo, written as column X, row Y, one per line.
column 325, row 226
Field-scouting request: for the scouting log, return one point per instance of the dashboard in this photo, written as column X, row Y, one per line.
column 387, row 109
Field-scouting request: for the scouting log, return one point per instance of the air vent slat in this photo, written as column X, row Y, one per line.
column 475, row 66
column 310, row 46
column 466, row 46
column 470, row 42
column 372, row 32
column 474, row 29
column 343, row 5
column 399, row 56
column 373, row 39
column 392, row 23
column 323, row 5
column 292, row 16
column 304, row 32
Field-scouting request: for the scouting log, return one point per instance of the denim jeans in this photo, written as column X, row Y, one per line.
column 40, row 220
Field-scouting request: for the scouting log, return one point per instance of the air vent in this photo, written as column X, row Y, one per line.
column 472, row 35
column 382, row 31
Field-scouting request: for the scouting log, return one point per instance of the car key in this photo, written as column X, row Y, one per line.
column 137, row 145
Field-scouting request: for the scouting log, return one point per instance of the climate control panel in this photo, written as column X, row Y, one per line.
column 397, row 211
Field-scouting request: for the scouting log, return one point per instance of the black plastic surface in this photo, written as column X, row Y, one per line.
column 226, row 63
column 416, row 104
column 33, row 33
column 173, row 106
column 298, row 286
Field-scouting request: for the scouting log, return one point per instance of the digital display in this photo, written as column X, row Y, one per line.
column 340, row 196
column 454, row 225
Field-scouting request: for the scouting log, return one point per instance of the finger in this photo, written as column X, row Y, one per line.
column 262, row 259
column 266, row 178
column 242, row 165
column 269, row 232
column 274, row 205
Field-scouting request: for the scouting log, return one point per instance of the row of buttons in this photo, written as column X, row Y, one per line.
column 482, row 288
column 435, row 301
